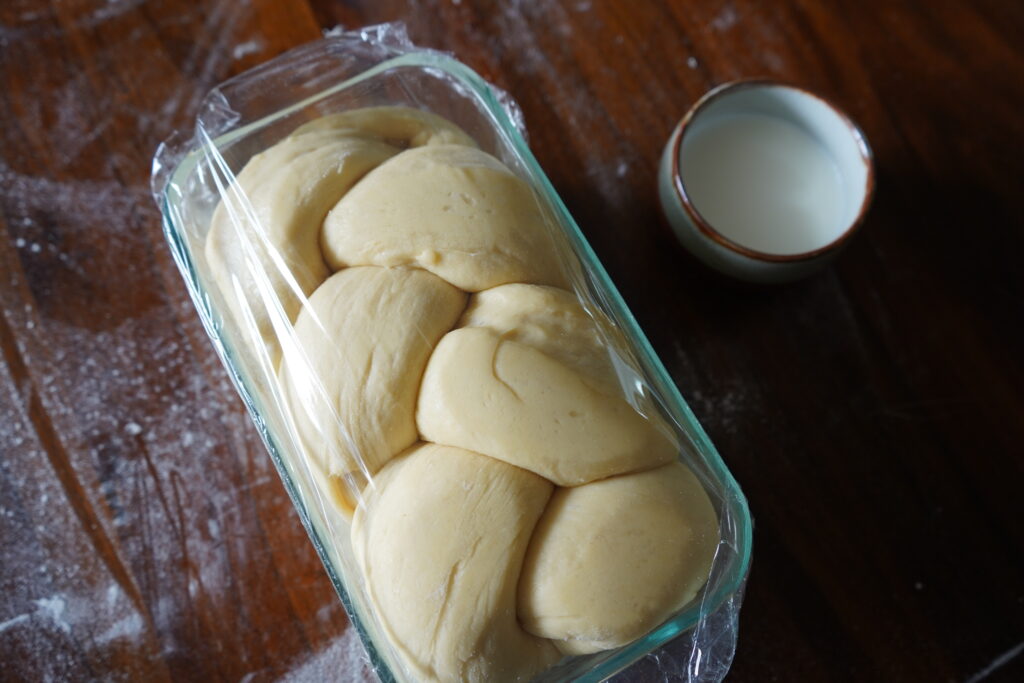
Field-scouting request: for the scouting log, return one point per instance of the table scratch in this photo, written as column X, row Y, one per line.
column 997, row 663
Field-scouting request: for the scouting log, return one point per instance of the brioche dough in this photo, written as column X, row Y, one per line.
column 266, row 229
column 440, row 539
column 450, row 209
column 550, row 320
column 512, row 402
column 401, row 127
column 447, row 323
column 611, row 560
column 361, row 345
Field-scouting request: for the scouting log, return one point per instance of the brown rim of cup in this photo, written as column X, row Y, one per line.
column 710, row 232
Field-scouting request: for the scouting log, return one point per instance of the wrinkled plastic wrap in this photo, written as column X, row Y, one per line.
column 285, row 356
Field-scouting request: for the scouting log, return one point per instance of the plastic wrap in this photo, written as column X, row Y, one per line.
column 258, row 274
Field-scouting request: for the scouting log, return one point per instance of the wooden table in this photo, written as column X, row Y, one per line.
column 874, row 414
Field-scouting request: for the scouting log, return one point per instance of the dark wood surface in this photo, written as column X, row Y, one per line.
column 874, row 414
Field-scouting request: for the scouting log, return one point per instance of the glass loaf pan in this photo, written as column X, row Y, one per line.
column 375, row 67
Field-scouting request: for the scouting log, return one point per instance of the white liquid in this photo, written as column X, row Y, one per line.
column 763, row 183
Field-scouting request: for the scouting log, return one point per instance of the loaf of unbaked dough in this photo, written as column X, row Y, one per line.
column 509, row 502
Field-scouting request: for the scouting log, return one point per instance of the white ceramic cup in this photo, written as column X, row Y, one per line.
column 765, row 182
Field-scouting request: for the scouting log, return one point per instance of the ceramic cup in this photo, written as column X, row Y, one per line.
column 765, row 182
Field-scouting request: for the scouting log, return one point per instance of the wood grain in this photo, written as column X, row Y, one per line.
column 874, row 414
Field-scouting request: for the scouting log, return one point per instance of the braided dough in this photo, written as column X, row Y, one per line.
column 508, row 505
column 263, row 247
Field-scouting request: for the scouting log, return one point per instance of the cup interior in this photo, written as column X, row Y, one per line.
column 819, row 121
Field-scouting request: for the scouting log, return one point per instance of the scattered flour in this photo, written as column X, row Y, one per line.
column 126, row 456
column 10, row 623
column 578, row 108
column 718, row 410
column 53, row 608
column 50, row 610
column 725, row 19
column 249, row 47
column 127, row 628
column 345, row 660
